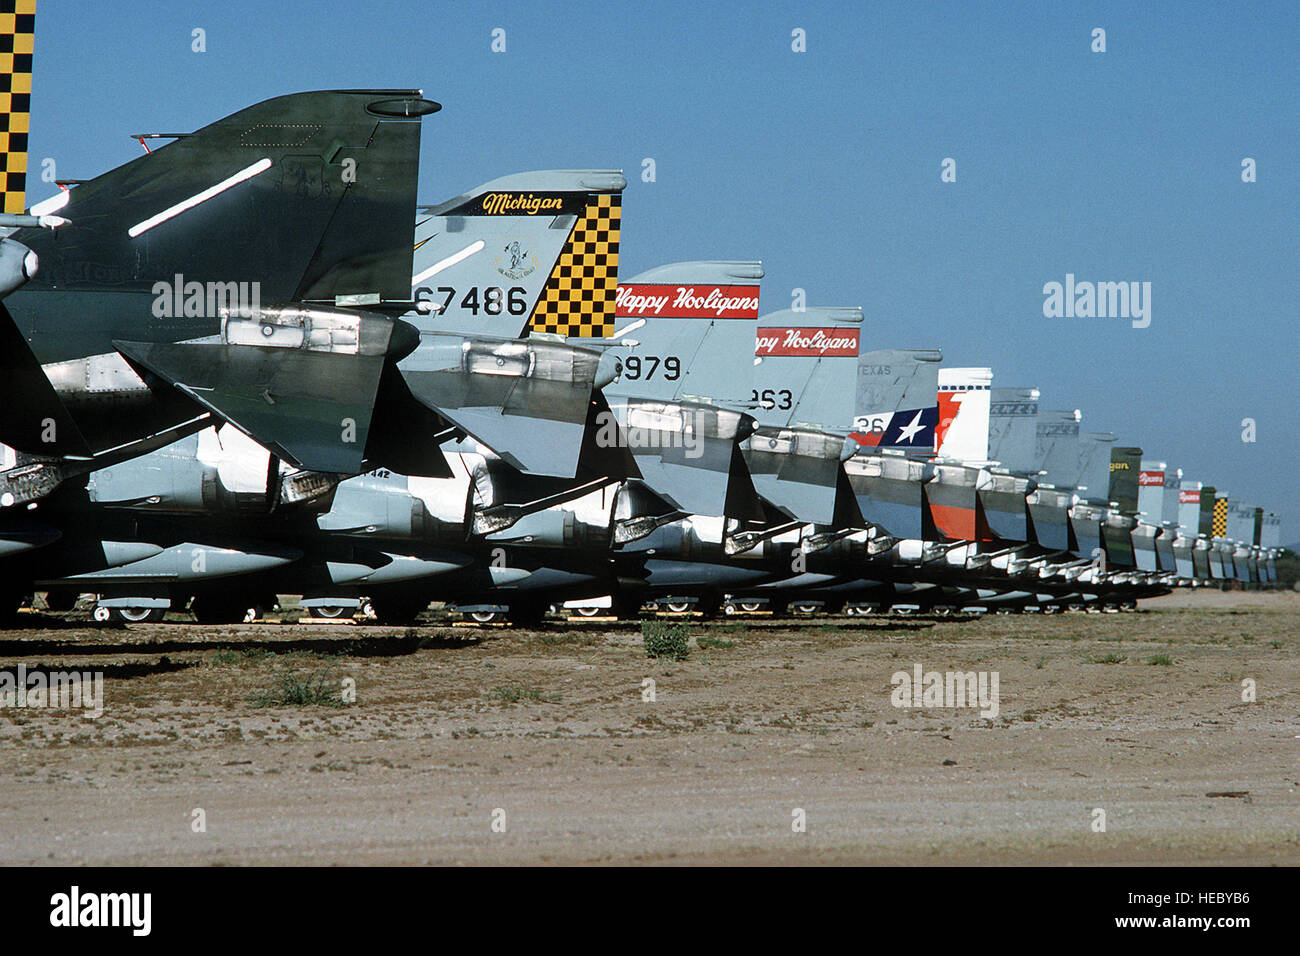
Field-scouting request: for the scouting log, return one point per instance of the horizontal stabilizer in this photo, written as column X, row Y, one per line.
column 32, row 417
column 535, row 425
column 312, row 409
column 798, row 470
column 683, row 451
column 529, row 402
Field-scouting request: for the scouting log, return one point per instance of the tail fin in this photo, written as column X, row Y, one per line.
column 533, row 251
column 1125, row 468
column 1169, row 501
column 963, row 430
column 1209, row 503
column 1094, row 467
column 1057, row 436
column 1219, row 527
column 1013, row 423
column 806, row 367
column 690, row 321
column 307, row 196
column 17, row 27
column 1241, row 521
column 1270, row 535
column 896, row 403
column 1151, row 490
column 1189, row 507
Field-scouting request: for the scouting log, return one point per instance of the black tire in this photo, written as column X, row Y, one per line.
column 677, row 607
column 139, row 615
column 626, row 609
column 526, row 615
column 219, row 609
column 587, row 611
column 329, row 612
column 484, row 617
column 397, row 608
column 709, row 607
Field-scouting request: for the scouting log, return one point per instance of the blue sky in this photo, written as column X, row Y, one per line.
column 1115, row 166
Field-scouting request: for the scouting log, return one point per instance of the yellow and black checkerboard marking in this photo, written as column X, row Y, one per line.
column 17, row 26
column 579, row 296
column 1219, row 527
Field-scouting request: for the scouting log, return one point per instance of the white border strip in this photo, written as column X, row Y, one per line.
column 447, row 263
column 261, row 166
column 628, row 328
column 52, row 204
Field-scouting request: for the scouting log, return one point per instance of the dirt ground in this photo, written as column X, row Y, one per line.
column 510, row 746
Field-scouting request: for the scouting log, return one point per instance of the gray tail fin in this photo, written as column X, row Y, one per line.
column 806, row 367
column 897, row 405
column 530, row 252
column 1013, row 423
column 1094, row 467
column 691, row 321
column 1057, row 446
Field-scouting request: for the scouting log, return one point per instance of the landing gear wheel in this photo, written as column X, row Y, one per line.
column 749, row 607
column 678, row 607
column 136, row 615
column 221, row 609
column 397, row 609
column 484, row 617
column 709, row 607
column 526, row 615
column 626, row 609
column 330, row 612
column 588, row 611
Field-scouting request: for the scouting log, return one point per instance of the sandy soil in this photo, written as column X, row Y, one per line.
column 546, row 730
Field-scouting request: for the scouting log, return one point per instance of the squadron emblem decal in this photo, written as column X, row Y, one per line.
column 516, row 260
